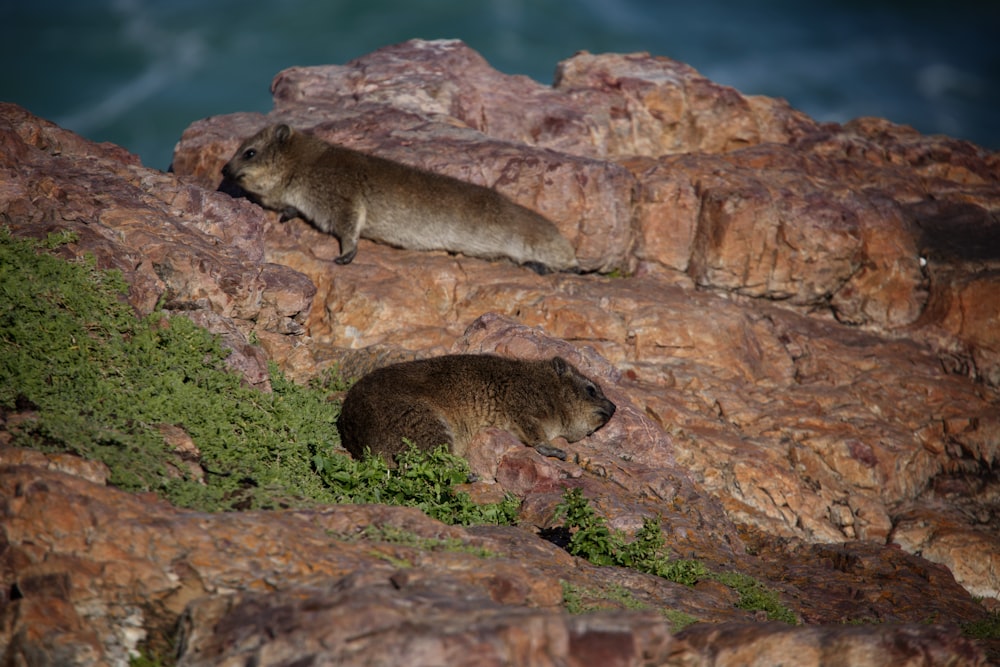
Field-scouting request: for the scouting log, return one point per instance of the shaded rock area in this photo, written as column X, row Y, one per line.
column 797, row 321
column 91, row 572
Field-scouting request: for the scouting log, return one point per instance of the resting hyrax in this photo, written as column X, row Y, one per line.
column 447, row 400
column 351, row 194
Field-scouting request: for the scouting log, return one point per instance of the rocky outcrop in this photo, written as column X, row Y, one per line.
column 772, row 404
column 91, row 573
column 645, row 166
column 796, row 320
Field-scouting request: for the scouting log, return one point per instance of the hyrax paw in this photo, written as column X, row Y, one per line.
column 549, row 450
column 347, row 257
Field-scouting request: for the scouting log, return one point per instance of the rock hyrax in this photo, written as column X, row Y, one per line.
column 351, row 194
column 447, row 400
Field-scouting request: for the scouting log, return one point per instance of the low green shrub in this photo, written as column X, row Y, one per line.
column 591, row 539
column 647, row 552
column 987, row 628
column 91, row 378
column 425, row 480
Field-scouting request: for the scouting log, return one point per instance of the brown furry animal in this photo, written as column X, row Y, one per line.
column 447, row 400
column 351, row 195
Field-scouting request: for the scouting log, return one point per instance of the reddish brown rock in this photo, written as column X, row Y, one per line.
column 382, row 625
column 599, row 106
column 799, row 425
column 91, row 574
column 803, row 351
column 637, row 104
column 737, row 645
column 764, row 229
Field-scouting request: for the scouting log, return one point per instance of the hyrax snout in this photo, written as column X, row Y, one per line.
column 447, row 400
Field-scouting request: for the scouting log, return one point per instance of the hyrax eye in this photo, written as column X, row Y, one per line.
column 591, row 391
column 249, row 153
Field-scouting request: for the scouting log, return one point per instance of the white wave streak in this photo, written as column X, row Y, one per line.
column 172, row 55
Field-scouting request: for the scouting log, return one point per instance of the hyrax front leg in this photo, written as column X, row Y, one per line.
column 533, row 435
column 289, row 212
column 348, row 228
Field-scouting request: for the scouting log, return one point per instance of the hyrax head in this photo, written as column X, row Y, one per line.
column 260, row 164
column 585, row 407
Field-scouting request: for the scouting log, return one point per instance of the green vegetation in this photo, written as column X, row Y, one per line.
column 421, row 479
column 610, row 597
column 146, row 658
column 395, row 535
column 755, row 596
column 591, row 539
column 987, row 628
column 94, row 380
column 575, row 601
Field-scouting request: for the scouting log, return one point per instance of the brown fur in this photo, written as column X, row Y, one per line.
column 447, row 400
column 351, row 195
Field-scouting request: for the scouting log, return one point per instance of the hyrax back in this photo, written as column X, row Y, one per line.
column 351, row 195
column 447, row 400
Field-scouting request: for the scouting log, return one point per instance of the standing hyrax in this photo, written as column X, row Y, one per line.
column 351, row 194
column 447, row 400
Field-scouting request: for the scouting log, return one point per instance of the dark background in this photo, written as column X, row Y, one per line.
column 137, row 72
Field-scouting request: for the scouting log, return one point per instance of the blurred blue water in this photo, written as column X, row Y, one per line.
column 137, row 72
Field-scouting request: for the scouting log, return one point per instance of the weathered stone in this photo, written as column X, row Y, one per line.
column 805, row 344
column 411, row 624
column 92, row 471
column 732, row 645
column 91, row 573
column 637, row 104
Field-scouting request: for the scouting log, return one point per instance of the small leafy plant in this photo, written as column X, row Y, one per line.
column 591, row 539
column 425, row 480
column 400, row 536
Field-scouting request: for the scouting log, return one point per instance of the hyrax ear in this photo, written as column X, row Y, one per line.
column 282, row 133
column 560, row 365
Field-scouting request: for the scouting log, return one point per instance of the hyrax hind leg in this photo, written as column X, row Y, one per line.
column 418, row 423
